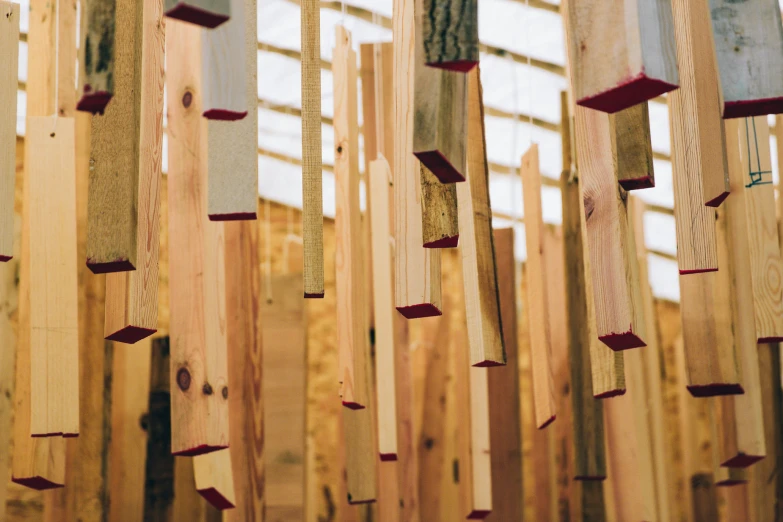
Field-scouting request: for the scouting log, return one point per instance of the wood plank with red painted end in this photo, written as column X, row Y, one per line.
column 449, row 33
column 439, row 213
column 623, row 52
column 214, row 478
column 695, row 115
column 225, row 67
column 99, row 44
column 205, row 13
column 199, row 408
column 9, row 48
column 417, row 269
column 748, row 40
column 632, row 147
column 613, row 264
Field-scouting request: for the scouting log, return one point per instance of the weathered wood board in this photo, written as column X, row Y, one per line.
column 439, row 211
column 449, row 33
column 632, row 147
column 99, row 44
column 226, row 66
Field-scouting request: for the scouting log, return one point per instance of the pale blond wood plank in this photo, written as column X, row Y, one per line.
column 206, row 13
column 225, row 67
column 623, row 52
column 700, row 167
column 188, row 504
column 214, row 478
column 232, row 193
column 198, row 328
column 9, row 48
column 9, row 303
column 632, row 147
column 98, row 41
column 312, row 191
column 439, row 212
column 449, row 34
column 417, row 270
column 748, row 40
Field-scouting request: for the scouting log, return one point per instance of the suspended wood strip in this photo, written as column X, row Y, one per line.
column 312, row 191
column 440, row 101
column 198, row 336
column 439, row 213
column 99, row 36
column 623, row 53
column 214, row 479
column 632, row 147
column 417, row 270
column 749, row 47
column 9, row 49
column 695, row 120
column 233, row 158
column 377, row 75
column 449, row 33
column 379, row 193
column 206, row 13
column 226, row 66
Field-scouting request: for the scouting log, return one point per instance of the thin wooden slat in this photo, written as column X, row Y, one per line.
column 188, row 504
column 232, row 193
column 749, row 48
column 449, row 33
column 312, row 192
column 214, row 478
column 440, row 108
column 379, row 193
column 206, row 13
column 225, row 67
column 623, row 52
column 54, row 353
column 439, row 212
column 9, row 303
column 99, row 44
column 198, row 336
column 632, row 147
column 132, row 297
column 9, row 48
column 700, row 167
column 417, row 270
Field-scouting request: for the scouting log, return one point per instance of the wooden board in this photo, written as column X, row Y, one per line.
column 226, row 67
column 417, row 270
column 206, row 13
column 99, row 37
column 695, row 120
column 54, row 352
column 198, row 329
column 632, row 147
column 439, row 214
column 9, row 48
column 214, row 478
column 440, row 107
column 232, row 193
column 312, row 191
column 749, row 49
column 449, row 33
column 623, row 52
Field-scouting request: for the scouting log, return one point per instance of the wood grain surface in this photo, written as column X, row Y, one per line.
column 439, row 211
column 632, row 147
column 99, row 34
column 449, row 33
column 226, row 66
column 9, row 48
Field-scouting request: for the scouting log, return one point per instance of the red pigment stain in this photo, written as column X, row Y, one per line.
column 622, row 341
column 547, row 422
column 711, row 390
column 488, row 364
column 195, row 15
column 741, row 461
column 478, row 514
column 747, row 108
column 237, row 216
column 118, row 265
column 445, row 242
column 388, row 457
column 353, row 503
column 214, row 497
column 94, row 102
column 313, row 296
column 767, row 340
column 628, row 93
column 3, row 259
column 353, row 405
column 610, row 393
column 456, row 65
column 131, row 334
column 39, row 483
column 224, row 115
column 419, row 310
column 637, row 183
column 715, row 202
column 198, row 450
column 698, row 271
column 440, row 166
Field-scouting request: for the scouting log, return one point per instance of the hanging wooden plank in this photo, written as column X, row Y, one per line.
column 449, row 32
column 695, row 121
column 623, row 53
column 377, row 76
column 9, row 48
column 206, row 13
column 198, row 336
column 225, row 67
column 417, row 270
column 214, row 478
column 632, row 147
column 232, row 193
column 748, row 40
column 439, row 214
column 99, row 37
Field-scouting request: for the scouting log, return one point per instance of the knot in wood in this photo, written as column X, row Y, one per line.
column 187, row 99
column 183, row 379
column 207, row 389
column 224, row 392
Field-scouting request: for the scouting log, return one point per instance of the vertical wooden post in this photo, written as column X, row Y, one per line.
column 312, row 192
column 417, row 270
column 9, row 47
column 97, row 67
column 225, row 67
column 198, row 335
column 449, row 33
column 632, row 147
column 206, row 13
column 700, row 168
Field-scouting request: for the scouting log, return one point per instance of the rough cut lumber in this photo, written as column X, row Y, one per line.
column 232, row 193
column 623, row 52
column 198, row 331
column 504, row 393
column 99, row 39
column 9, row 49
column 439, row 214
column 312, row 191
column 613, row 264
column 206, row 13
column 632, row 147
column 225, row 67
column 352, row 337
column 417, row 270
column 9, row 303
column 540, row 336
column 132, row 297
column 379, row 193
column 440, row 110
column 694, row 118
column 214, row 478
column 749, row 48
column 54, row 332
column 449, row 32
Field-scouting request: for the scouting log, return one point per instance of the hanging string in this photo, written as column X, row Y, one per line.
column 56, row 65
column 267, row 252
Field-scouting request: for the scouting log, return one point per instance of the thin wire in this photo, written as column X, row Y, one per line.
column 56, row 65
